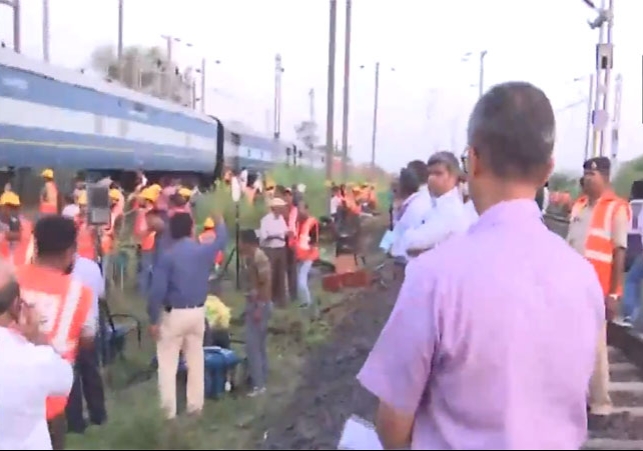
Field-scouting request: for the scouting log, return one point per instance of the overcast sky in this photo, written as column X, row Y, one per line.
column 424, row 103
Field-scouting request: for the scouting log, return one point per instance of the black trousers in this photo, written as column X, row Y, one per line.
column 88, row 384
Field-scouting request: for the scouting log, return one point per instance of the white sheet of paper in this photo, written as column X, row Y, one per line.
column 359, row 434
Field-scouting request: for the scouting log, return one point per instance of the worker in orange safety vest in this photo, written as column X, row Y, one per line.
column 48, row 194
column 208, row 235
column 306, row 251
column 145, row 237
column 64, row 305
column 87, row 239
column 598, row 229
column 16, row 240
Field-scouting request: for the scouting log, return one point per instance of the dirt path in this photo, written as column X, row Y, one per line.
column 329, row 392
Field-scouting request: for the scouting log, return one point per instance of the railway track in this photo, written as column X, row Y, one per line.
column 625, row 428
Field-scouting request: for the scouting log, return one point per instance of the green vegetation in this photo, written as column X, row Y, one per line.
column 234, row 421
column 628, row 172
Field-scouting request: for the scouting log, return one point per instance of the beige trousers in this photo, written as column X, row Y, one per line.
column 600, row 402
column 181, row 330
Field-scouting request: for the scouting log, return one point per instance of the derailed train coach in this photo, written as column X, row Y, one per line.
column 53, row 117
column 70, row 121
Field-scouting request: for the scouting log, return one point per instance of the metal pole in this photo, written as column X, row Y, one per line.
column 481, row 74
column 203, row 85
column 16, row 26
column 119, row 49
column 608, row 75
column 588, row 124
column 347, row 71
column 277, row 99
column 45, row 30
column 375, row 108
column 600, row 116
column 120, row 31
column 330, row 108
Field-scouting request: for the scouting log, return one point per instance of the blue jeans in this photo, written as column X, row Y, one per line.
column 632, row 288
column 147, row 259
column 303, row 268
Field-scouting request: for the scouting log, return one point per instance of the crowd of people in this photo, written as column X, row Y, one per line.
column 54, row 273
column 498, row 336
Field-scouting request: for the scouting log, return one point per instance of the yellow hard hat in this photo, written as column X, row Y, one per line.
column 149, row 194
column 208, row 224
column 47, row 173
column 114, row 194
column 10, row 198
column 82, row 198
column 156, row 188
column 185, row 192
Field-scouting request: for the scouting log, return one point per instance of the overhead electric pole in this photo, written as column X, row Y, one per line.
column 330, row 108
column 45, row 30
column 277, row 100
column 347, row 72
column 375, row 108
column 15, row 6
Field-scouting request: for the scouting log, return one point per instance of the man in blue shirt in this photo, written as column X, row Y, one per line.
column 175, row 305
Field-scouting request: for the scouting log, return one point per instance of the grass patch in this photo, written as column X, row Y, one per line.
column 135, row 421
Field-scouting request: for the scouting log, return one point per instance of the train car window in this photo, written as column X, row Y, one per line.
column 248, row 151
column 288, row 151
column 236, row 139
column 139, row 107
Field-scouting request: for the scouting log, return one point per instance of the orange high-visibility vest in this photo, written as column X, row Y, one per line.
column 86, row 241
column 49, row 205
column 305, row 250
column 291, row 221
column 599, row 249
column 18, row 252
column 143, row 234
column 208, row 236
column 63, row 304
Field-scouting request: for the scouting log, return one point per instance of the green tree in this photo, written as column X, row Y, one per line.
column 628, row 172
column 144, row 69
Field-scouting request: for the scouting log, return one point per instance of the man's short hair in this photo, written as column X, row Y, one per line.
column 181, row 225
column 54, row 235
column 420, row 169
column 448, row 159
column 248, row 236
column 512, row 129
column 409, row 182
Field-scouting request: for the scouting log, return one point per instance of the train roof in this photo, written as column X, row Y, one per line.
column 105, row 85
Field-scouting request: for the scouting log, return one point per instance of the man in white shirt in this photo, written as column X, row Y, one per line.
column 413, row 212
column 448, row 215
column 30, row 371
column 273, row 232
column 88, row 381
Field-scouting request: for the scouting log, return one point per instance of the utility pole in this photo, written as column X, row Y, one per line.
column 169, row 69
column 45, row 30
column 330, row 108
column 277, row 101
column 120, row 31
column 481, row 74
column 15, row 6
column 347, row 72
column 588, row 120
column 604, row 63
column 203, row 85
column 375, row 108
